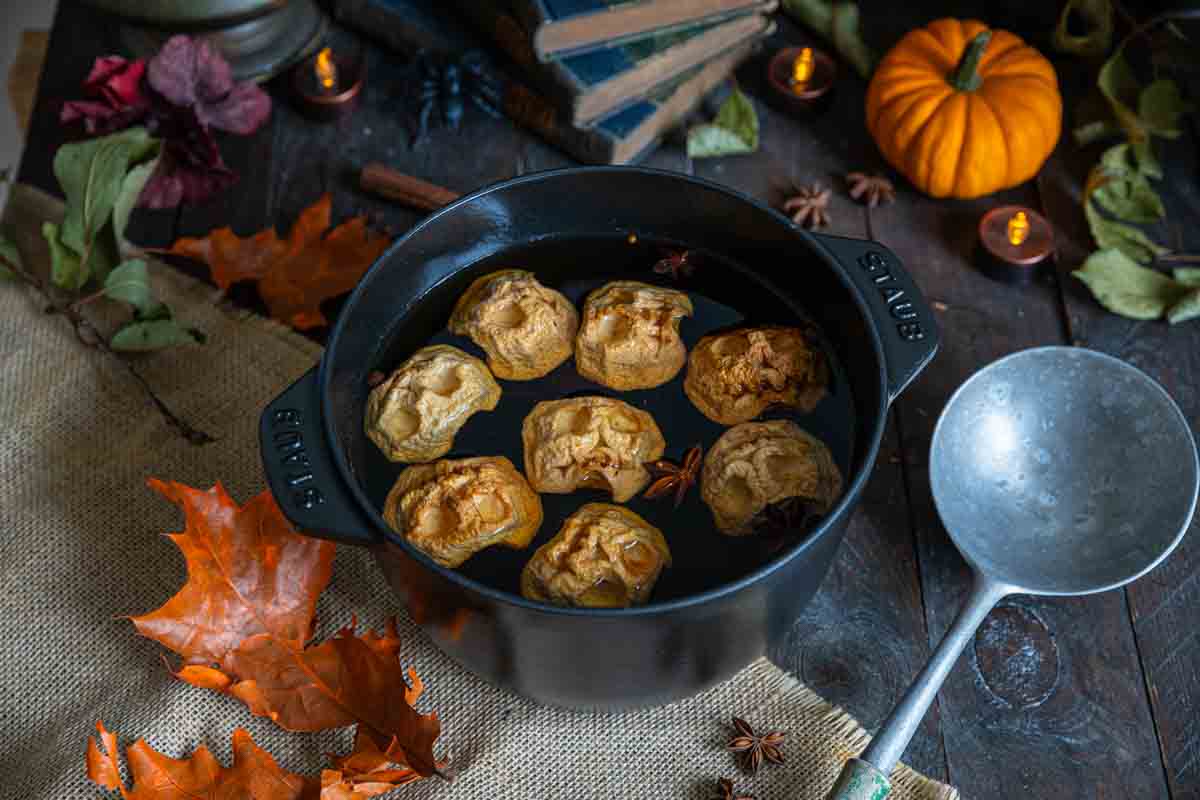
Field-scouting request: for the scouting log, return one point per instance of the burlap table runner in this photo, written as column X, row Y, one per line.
column 81, row 548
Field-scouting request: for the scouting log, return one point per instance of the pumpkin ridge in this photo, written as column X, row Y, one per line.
column 919, row 133
column 986, row 107
column 912, row 96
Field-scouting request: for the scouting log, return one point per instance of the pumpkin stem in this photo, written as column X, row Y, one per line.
column 965, row 77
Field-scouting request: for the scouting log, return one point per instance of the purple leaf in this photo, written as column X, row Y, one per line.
column 190, row 72
column 190, row 168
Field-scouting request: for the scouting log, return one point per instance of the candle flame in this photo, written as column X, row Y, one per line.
column 802, row 68
column 326, row 70
column 1017, row 228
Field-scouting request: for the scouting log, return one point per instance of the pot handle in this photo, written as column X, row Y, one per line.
column 300, row 468
column 902, row 316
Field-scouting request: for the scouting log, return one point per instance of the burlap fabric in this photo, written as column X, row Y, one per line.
column 81, row 548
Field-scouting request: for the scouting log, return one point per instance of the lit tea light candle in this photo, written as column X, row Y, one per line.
column 801, row 78
column 327, row 85
column 1014, row 241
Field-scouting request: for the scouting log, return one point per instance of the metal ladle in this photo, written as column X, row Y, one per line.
column 1057, row 471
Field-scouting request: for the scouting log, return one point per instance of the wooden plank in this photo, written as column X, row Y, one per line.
column 1165, row 604
column 1049, row 697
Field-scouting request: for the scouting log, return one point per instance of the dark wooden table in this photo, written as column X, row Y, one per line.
column 1092, row 697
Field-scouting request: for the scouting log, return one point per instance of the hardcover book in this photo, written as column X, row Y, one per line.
column 559, row 26
column 604, row 79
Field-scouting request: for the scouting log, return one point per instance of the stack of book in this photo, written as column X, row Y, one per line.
column 602, row 79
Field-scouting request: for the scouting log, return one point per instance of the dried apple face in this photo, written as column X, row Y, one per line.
column 757, row 464
column 452, row 509
column 525, row 328
column 605, row 556
column 590, row 443
column 629, row 337
column 413, row 415
column 733, row 377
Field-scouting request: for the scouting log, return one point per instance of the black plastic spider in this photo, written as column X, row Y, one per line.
column 443, row 82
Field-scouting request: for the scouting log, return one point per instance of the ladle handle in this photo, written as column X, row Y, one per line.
column 865, row 777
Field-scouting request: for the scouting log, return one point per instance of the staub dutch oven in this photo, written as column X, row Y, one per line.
column 725, row 600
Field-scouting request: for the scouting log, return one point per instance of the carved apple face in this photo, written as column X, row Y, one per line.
column 590, row 442
column 452, row 509
column 757, row 464
column 414, row 414
column 733, row 377
column 629, row 336
column 525, row 328
column 605, row 556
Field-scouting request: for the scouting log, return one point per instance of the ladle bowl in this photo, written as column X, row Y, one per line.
column 1056, row 471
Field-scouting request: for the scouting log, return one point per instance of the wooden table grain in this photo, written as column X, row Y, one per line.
column 1094, row 697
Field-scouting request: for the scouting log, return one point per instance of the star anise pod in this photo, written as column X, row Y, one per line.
column 808, row 206
column 725, row 791
column 870, row 189
column 675, row 263
column 677, row 477
column 752, row 749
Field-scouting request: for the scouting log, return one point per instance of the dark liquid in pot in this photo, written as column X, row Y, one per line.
column 702, row 558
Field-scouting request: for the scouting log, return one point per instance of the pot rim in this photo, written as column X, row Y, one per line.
column 843, row 506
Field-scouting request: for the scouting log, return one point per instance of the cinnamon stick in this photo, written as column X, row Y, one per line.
column 410, row 191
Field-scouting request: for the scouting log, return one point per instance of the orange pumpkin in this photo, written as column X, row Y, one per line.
column 964, row 111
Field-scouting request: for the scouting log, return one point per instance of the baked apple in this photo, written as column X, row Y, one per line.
column 629, row 335
column 453, row 508
column 414, row 414
column 525, row 328
column 605, row 556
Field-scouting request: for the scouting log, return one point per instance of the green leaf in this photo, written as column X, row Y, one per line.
column 65, row 269
column 127, row 198
column 1188, row 276
column 1147, row 161
column 9, row 253
column 1131, row 199
column 130, row 283
column 1187, row 307
column 1115, row 161
column 1095, row 131
column 1123, row 287
column 1110, row 234
column 145, row 335
column 92, row 173
column 1120, row 87
column 734, row 131
column 1160, row 105
column 837, row 22
column 1097, row 18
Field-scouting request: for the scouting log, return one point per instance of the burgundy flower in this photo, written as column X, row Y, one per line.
column 116, row 83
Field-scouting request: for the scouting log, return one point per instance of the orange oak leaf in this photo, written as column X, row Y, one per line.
column 294, row 274
column 345, row 680
column 242, row 620
column 254, row 775
column 249, row 573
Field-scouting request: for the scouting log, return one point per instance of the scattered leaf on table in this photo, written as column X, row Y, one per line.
column 1123, row 287
column 1110, row 234
column 294, row 274
column 127, row 198
column 129, row 282
column 1188, row 276
column 9, row 253
column 1097, row 19
column 1186, row 308
column 1147, row 161
column 1130, row 198
column 115, row 84
column 249, row 573
column 838, row 22
column 255, row 775
column 1120, row 87
column 65, row 270
column 141, row 336
column 192, row 73
column 734, row 131
column 1160, row 105
column 243, row 618
column 92, row 174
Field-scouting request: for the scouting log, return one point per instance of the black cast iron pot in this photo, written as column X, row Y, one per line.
column 725, row 600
